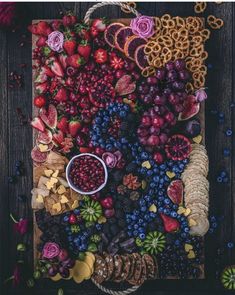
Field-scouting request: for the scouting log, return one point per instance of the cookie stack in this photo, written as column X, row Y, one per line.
column 132, row 268
column 196, row 190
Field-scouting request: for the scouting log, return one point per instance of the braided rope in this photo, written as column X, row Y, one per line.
column 112, row 292
column 98, row 5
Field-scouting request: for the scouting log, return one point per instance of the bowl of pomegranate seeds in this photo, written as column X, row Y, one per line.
column 86, row 174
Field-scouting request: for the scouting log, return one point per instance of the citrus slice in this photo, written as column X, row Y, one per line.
column 121, row 37
column 140, row 57
column 132, row 44
column 110, row 33
column 56, row 278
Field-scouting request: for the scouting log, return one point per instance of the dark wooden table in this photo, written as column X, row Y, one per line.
column 16, row 142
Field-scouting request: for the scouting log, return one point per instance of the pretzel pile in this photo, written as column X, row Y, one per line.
column 176, row 38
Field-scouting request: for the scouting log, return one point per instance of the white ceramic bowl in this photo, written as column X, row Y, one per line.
column 74, row 187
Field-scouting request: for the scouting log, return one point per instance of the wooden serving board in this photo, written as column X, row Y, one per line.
column 36, row 231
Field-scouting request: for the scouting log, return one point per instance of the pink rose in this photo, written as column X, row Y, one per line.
column 143, row 26
column 50, row 250
column 201, row 95
column 55, row 41
column 109, row 159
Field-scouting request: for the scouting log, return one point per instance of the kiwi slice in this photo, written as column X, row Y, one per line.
column 91, row 210
column 228, row 277
column 154, row 242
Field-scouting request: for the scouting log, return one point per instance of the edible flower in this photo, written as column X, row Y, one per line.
column 112, row 159
column 201, row 95
column 55, row 41
column 20, row 226
column 16, row 278
column 143, row 26
column 50, row 250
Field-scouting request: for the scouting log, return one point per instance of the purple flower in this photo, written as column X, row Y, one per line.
column 50, row 250
column 55, row 41
column 201, row 95
column 16, row 276
column 143, row 26
column 112, row 159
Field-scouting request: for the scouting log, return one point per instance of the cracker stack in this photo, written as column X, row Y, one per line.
column 196, row 189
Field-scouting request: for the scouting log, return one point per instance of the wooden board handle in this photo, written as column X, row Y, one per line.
column 98, row 5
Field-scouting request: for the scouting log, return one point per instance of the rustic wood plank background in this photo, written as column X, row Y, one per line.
column 16, row 143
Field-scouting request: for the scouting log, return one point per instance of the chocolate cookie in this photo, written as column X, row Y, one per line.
column 134, row 280
column 132, row 267
column 110, row 266
column 143, row 275
column 151, row 267
column 125, row 269
column 100, row 269
column 117, row 267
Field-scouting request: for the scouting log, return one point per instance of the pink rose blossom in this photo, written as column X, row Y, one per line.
column 201, row 95
column 109, row 159
column 50, row 250
column 143, row 26
column 55, row 41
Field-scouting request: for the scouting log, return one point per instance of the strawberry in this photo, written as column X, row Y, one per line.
column 63, row 124
column 33, row 29
column 84, row 149
column 69, row 20
column 74, row 127
column 53, row 87
column 58, row 138
column 94, row 32
column 83, row 31
column 61, row 95
column 62, row 59
column 69, row 82
column 75, row 60
column 56, row 24
column 55, row 66
column 116, row 62
column 100, row 56
column 41, row 41
column 38, row 124
column 43, row 28
column 170, row 224
column 70, row 46
column 42, row 88
column 47, row 71
column 99, row 24
column 41, row 77
column 39, row 101
column 84, row 49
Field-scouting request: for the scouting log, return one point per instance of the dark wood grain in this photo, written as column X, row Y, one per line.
column 16, row 143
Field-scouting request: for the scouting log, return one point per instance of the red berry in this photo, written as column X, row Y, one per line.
column 40, row 101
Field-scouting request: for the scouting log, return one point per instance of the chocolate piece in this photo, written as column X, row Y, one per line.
column 110, row 266
column 100, row 269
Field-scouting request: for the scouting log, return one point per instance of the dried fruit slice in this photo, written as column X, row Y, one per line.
column 178, row 147
column 175, row 191
column 228, row 277
column 121, row 37
column 170, row 224
column 154, row 243
column 49, row 116
column 38, row 124
column 45, row 137
column 125, row 85
column 191, row 108
column 110, row 31
column 140, row 57
column 38, row 156
column 58, row 138
column 132, row 44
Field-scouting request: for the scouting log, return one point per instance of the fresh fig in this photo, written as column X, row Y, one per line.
column 125, row 85
column 192, row 128
column 191, row 108
column 175, row 191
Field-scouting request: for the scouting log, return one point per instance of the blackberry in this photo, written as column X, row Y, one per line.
column 124, row 126
column 117, row 176
column 131, row 167
column 122, row 223
column 112, row 220
column 114, row 229
column 119, row 214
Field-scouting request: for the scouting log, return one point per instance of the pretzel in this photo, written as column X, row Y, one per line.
column 165, row 17
column 148, row 71
column 189, row 88
column 150, row 46
column 131, row 4
column 166, row 54
column 205, row 34
column 179, row 21
column 200, row 7
column 177, row 54
column 215, row 23
column 182, row 44
column 165, row 41
column 157, row 62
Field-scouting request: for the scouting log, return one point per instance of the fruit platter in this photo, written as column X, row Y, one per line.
column 120, row 190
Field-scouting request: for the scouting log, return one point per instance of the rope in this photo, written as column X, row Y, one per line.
column 112, row 292
column 98, row 5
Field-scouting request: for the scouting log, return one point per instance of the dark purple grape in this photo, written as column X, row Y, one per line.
column 148, row 98
column 52, row 271
column 180, row 64
column 173, row 99
column 192, row 128
column 178, row 108
column 170, row 65
column 171, row 75
column 135, row 75
column 143, row 89
column 178, row 85
column 69, row 263
column 64, row 272
column 153, row 90
column 160, row 100
column 129, row 65
column 161, row 73
column 184, row 75
column 152, row 80
column 167, row 91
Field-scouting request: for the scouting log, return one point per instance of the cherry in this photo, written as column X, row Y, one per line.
column 158, row 157
column 72, row 219
column 108, row 213
column 107, row 203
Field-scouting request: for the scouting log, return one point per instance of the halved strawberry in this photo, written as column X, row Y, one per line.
column 55, row 66
column 63, row 124
column 62, row 59
column 99, row 24
column 38, row 124
column 61, row 94
column 42, row 87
